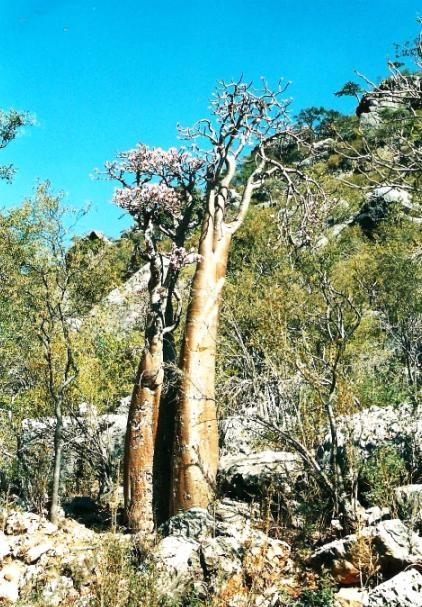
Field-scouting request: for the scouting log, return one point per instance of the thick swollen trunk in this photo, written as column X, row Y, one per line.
column 58, row 450
column 143, row 414
column 165, row 434
column 140, row 439
column 195, row 457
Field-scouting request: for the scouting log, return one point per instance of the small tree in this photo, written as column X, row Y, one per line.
column 161, row 190
column 46, row 280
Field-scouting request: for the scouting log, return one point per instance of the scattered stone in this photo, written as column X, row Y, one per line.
column 9, row 591
column 10, row 576
column 393, row 545
column 221, row 558
column 403, row 590
column 396, row 545
column 409, row 501
column 57, row 591
column 4, row 546
column 195, row 523
column 255, row 475
column 374, row 515
column 22, row 522
column 177, row 565
column 220, row 550
column 336, row 557
column 12, row 572
column 235, row 513
column 350, row 597
column 33, row 553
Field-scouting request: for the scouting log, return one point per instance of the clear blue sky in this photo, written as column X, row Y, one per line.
column 101, row 76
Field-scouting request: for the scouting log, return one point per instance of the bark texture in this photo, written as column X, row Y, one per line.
column 196, row 437
column 58, row 451
column 143, row 415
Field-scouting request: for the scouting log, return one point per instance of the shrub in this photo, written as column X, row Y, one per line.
column 382, row 473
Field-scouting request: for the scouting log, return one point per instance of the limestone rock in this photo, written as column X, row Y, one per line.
column 337, row 558
column 33, row 550
column 409, row 501
column 254, row 475
column 239, row 433
column 100, row 436
column 57, row 591
column 377, row 427
column 396, row 545
column 195, row 523
column 4, row 546
column 9, row 591
column 379, row 201
column 221, row 551
column 350, row 597
column 10, row 577
column 403, row 590
column 177, row 565
column 373, row 515
column 22, row 522
column 221, row 557
column 392, row 94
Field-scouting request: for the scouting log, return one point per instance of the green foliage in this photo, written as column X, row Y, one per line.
column 382, row 473
column 322, row 597
column 324, row 123
column 101, row 266
column 11, row 123
column 349, row 89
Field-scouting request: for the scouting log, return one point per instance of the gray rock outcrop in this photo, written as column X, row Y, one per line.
column 205, row 551
column 378, row 203
column 393, row 545
column 409, row 502
column 96, row 440
column 377, row 427
column 396, row 93
column 253, row 476
column 36, row 553
column 403, row 590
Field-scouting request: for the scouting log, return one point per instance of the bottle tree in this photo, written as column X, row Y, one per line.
column 244, row 123
column 168, row 193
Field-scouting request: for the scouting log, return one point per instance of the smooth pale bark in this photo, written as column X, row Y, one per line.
column 58, row 451
column 195, row 457
column 143, row 416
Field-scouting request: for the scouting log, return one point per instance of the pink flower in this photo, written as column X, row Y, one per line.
column 151, row 198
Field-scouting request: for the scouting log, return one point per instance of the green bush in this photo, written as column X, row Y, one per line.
column 382, row 473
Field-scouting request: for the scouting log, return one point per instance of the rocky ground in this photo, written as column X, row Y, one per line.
column 228, row 556
column 236, row 554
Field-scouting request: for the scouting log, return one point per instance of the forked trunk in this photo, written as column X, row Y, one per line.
column 195, row 457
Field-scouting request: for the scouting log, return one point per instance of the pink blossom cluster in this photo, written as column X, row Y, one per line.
column 149, row 198
column 172, row 163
